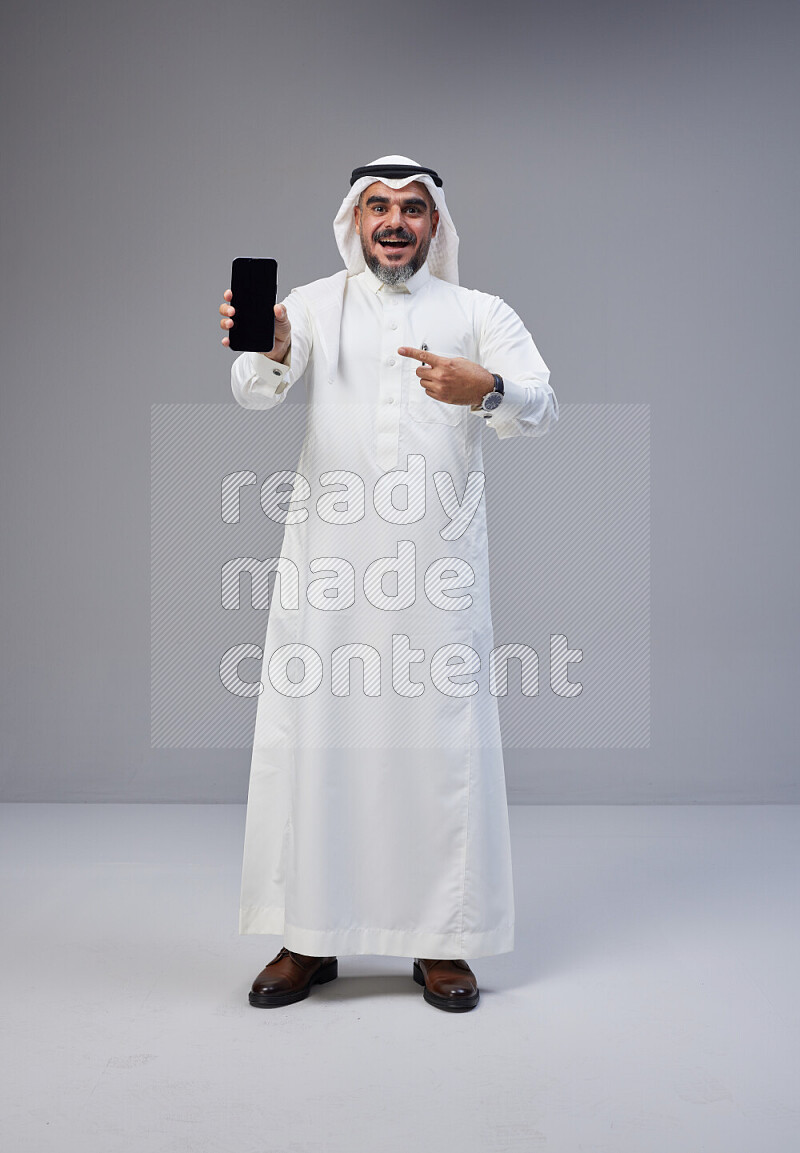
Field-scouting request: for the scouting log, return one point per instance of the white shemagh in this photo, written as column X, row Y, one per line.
column 443, row 253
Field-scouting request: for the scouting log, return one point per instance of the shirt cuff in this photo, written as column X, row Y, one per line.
column 270, row 372
column 514, row 397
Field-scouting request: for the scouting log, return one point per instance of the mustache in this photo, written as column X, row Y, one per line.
column 394, row 234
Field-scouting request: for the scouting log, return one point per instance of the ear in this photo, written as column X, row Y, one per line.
column 434, row 221
column 357, row 219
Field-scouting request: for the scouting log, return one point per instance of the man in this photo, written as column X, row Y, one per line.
column 377, row 818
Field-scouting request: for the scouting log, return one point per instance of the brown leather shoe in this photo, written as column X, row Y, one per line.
column 289, row 976
column 449, row 985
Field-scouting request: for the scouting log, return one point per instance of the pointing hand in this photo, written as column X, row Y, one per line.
column 451, row 379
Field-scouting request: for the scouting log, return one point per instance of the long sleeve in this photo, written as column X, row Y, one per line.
column 257, row 381
column 529, row 405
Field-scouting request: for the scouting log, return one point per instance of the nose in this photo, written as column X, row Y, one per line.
column 394, row 217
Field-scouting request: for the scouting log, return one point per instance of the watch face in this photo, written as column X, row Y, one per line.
column 493, row 400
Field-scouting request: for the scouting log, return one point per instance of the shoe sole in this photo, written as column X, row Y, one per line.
column 271, row 1000
column 447, row 1003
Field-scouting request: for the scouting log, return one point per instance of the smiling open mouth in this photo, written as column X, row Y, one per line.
column 394, row 243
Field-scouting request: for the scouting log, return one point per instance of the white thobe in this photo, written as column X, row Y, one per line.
column 377, row 817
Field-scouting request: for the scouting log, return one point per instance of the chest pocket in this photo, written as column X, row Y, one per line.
column 426, row 409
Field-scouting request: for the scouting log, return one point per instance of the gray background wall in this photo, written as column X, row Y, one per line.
column 625, row 175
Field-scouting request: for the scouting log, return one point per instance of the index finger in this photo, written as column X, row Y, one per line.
column 431, row 358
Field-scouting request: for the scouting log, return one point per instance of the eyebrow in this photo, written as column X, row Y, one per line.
column 409, row 200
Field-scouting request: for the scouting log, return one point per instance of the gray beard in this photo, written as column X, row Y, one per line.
column 397, row 274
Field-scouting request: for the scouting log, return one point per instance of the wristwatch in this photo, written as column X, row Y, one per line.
column 493, row 399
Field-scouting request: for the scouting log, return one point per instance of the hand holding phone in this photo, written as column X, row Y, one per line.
column 283, row 329
column 260, row 323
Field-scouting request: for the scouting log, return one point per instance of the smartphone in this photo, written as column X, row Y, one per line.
column 254, row 291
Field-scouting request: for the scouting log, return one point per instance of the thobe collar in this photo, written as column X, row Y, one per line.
column 413, row 284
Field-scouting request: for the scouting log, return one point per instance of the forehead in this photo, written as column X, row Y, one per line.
column 412, row 191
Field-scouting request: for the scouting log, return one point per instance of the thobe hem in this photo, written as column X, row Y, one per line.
column 391, row 942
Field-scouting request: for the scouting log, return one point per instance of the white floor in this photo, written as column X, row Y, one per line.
column 650, row 1004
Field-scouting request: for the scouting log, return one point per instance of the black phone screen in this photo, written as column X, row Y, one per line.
column 254, row 290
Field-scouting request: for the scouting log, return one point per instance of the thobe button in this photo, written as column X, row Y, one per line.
column 391, row 400
column 392, row 362
column 393, row 324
